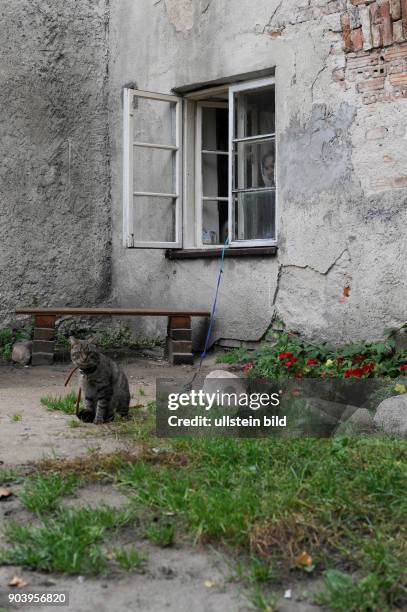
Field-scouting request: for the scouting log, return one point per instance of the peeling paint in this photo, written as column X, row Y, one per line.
column 181, row 14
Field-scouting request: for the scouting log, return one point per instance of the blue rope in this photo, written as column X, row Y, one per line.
column 215, row 302
column 188, row 386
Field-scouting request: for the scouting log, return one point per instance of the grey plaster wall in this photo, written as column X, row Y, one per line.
column 55, row 233
column 340, row 270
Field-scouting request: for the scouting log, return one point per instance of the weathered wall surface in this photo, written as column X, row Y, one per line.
column 341, row 82
column 54, row 149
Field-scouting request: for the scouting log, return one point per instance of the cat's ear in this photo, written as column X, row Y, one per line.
column 73, row 340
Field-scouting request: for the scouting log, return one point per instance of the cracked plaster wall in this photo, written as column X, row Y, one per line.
column 341, row 160
column 54, row 140
column 340, row 269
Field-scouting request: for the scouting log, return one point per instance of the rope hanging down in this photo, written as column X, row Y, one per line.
column 188, row 386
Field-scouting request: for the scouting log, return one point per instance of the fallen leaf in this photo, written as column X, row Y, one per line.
column 304, row 559
column 18, row 582
column 346, row 291
column 5, row 493
column 209, row 584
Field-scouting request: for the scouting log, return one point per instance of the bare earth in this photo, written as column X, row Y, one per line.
column 177, row 579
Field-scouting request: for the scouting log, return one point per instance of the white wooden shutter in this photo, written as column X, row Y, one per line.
column 152, row 166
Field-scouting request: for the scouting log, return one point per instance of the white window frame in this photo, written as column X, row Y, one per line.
column 247, row 86
column 199, row 196
column 128, row 190
column 188, row 170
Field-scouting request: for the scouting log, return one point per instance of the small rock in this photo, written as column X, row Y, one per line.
column 360, row 421
column 223, row 382
column 391, row 416
column 22, row 352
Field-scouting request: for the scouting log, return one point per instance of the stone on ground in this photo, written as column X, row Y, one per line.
column 21, row 352
column 391, row 416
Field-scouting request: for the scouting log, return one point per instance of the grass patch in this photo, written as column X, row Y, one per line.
column 8, row 475
column 68, row 542
column 94, row 467
column 42, row 494
column 63, row 403
column 341, row 500
column 130, row 560
column 16, row 418
column 162, row 535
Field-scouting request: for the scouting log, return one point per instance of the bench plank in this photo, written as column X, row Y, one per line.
column 131, row 312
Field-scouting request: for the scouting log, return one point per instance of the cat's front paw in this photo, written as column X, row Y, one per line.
column 98, row 420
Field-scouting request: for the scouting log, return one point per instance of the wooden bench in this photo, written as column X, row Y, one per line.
column 179, row 334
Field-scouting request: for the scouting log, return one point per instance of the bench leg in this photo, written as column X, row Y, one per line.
column 44, row 340
column 179, row 340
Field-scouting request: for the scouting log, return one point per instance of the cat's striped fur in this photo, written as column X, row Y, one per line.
column 105, row 388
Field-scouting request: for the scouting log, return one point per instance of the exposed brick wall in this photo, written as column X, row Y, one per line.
column 373, row 24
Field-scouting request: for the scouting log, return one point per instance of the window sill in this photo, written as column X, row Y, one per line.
column 265, row 251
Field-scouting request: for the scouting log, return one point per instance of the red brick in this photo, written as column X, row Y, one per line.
column 404, row 16
column 376, row 25
column 398, row 80
column 387, row 24
column 346, row 32
column 398, row 31
column 395, row 9
column 371, row 85
column 396, row 53
column 357, row 39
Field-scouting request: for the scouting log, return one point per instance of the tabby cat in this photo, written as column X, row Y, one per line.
column 105, row 388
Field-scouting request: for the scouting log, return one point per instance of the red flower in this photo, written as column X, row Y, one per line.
column 339, row 360
column 403, row 367
column 312, row 362
column 247, row 367
column 356, row 372
column 298, row 374
column 368, row 367
column 283, row 356
column 357, row 358
column 289, row 364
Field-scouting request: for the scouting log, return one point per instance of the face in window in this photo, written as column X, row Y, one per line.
column 267, row 169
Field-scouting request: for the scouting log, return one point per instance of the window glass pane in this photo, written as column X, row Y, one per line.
column 254, row 216
column 214, row 175
column 254, row 165
column 255, row 113
column 215, row 129
column 153, row 170
column 214, row 222
column 154, row 121
column 154, row 219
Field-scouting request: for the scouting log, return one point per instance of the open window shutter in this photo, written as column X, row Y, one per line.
column 152, row 170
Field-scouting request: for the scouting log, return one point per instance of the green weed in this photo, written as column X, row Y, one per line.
column 68, row 542
column 130, row 559
column 42, row 494
column 65, row 403
column 162, row 535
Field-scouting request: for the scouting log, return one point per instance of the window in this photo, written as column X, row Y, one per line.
column 227, row 175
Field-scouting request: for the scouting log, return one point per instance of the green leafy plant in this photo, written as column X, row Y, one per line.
column 287, row 355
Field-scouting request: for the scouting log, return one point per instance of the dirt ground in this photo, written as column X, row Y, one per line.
column 177, row 579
